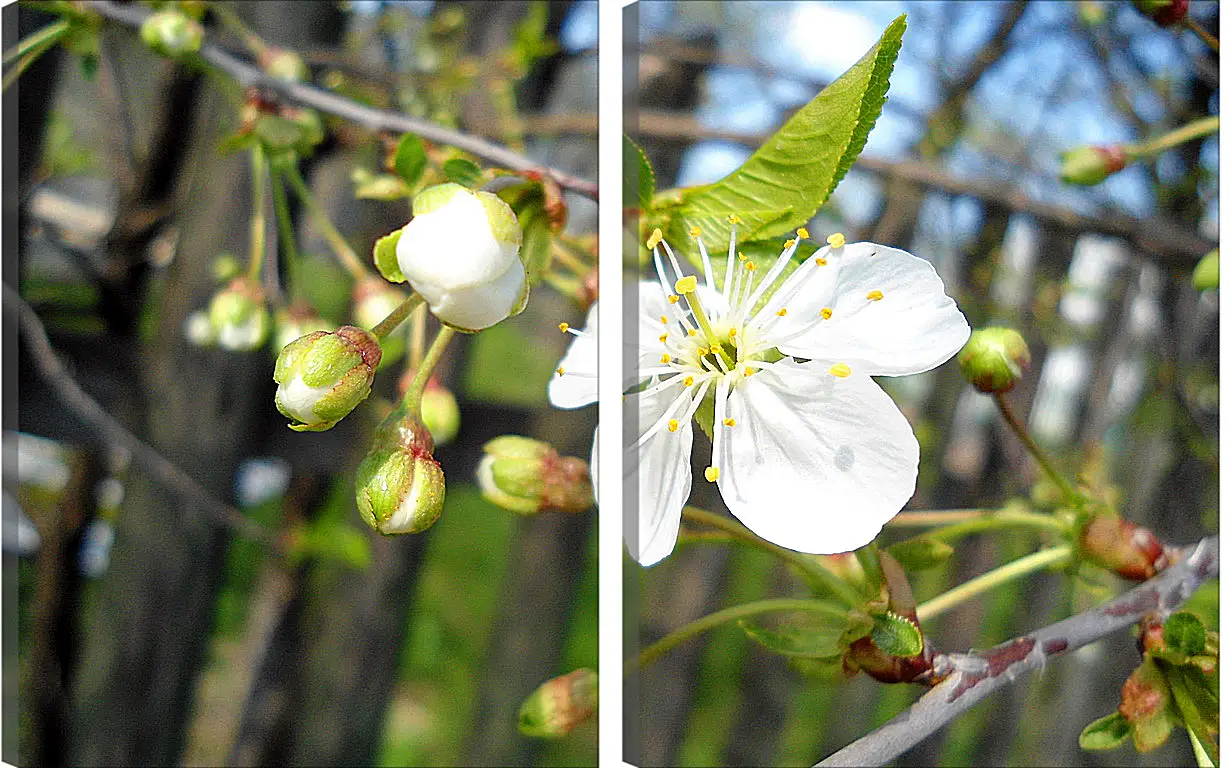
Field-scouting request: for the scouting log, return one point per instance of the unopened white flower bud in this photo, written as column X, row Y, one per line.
column 399, row 487
column 461, row 251
column 322, row 376
column 238, row 316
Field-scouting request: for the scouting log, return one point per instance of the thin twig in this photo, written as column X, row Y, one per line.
column 79, row 401
column 969, row 678
column 369, row 117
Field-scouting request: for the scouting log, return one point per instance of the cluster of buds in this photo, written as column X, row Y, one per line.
column 400, row 485
column 238, row 317
column 1089, row 165
column 461, row 252
column 322, row 376
column 528, row 476
column 559, row 705
column 1131, row 551
column 172, row 33
column 994, row 359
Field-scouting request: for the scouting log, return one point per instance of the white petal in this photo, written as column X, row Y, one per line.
column 479, row 306
column 815, row 463
column 577, row 386
column 453, row 247
column 913, row 328
column 298, row 398
column 661, row 471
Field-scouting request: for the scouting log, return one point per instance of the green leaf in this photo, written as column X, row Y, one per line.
column 920, row 553
column 1184, row 632
column 462, row 171
column 1105, row 733
column 384, row 254
column 809, row 641
column 896, row 635
column 788, row 178
column 1198, row 705
column 278, row 133
column 639, row 181
column 410, row 160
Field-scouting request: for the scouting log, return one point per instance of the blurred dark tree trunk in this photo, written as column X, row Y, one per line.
column 149, row 626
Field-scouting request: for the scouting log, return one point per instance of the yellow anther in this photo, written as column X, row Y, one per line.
column 748, row 371
column 702, row 351
column 836, row 240
column 563, row 327
column 734, row 219
column 691, row 331
column 665, row 358
column 840, row 370
column 662, row 338
column 742, row 256
column 687, row 382
column 803, row 233
column 711, row 474
column 694, row 231
column 673, row 299
column 781, row 312
column 826, row 313
column 750, row 266
column 821, row 261
column 685, row 284
column 875, row 295
column 559, row 370
column 664, row 320
column 790, row 243
column 733, row 332
column 728, row 422
column 654, row 239
column 673, row 425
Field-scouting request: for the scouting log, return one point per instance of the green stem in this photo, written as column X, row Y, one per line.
column 256, row 255
column 12, row 73
column 1204, row 34
column 413, row 394
column 285, row 230
column 565, row 286
column 1203, row 127
column 418, row 336
column 349, row 259
column 991, row 579
column 38, row 41
column 934, row 517
column 230, row 19
column 397, row 316
column 716, row 619
column 839, row 587
column 997, row 520
column 1018, row 428
column 569, row 259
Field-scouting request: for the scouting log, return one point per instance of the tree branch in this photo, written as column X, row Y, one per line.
column 87, row 408
column 369, row 117
column 972, row 677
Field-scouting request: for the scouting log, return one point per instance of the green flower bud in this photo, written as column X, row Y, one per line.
column 172, row 34
column 1091, row 165
column 1207, row 272
column 226, row 268
column 238, row 316
column 559, row 705
column 994, row 359
column 400, row 485
column 322, row 376
column 527, row 477
column 1164, row 12
column 440, row 412
column 284, row 65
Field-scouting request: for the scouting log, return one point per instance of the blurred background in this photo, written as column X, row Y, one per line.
column 150, row 633
column 962, row 169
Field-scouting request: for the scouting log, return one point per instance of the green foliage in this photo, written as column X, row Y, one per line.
column 528, row 202
column 639, row 181
column 462, row 171
column 1185, row 633
column 788, row 178
column 384, row 254
column 1105, row 733
column 410, row 161
column 896, row 636
column 812, row 640
column 920, row 553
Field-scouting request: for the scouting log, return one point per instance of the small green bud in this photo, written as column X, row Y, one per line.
column 994, row 359
column 400, row 485
column 528, row 476
column 1207, row 272
column 559, row 705
column 226, row 268
column 1164, row 12
column 440, row 412
column 323, row 376
column 1091, row 165
column 298, row 320
column 172, row 34
column 238, row 316
column 284, row 65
